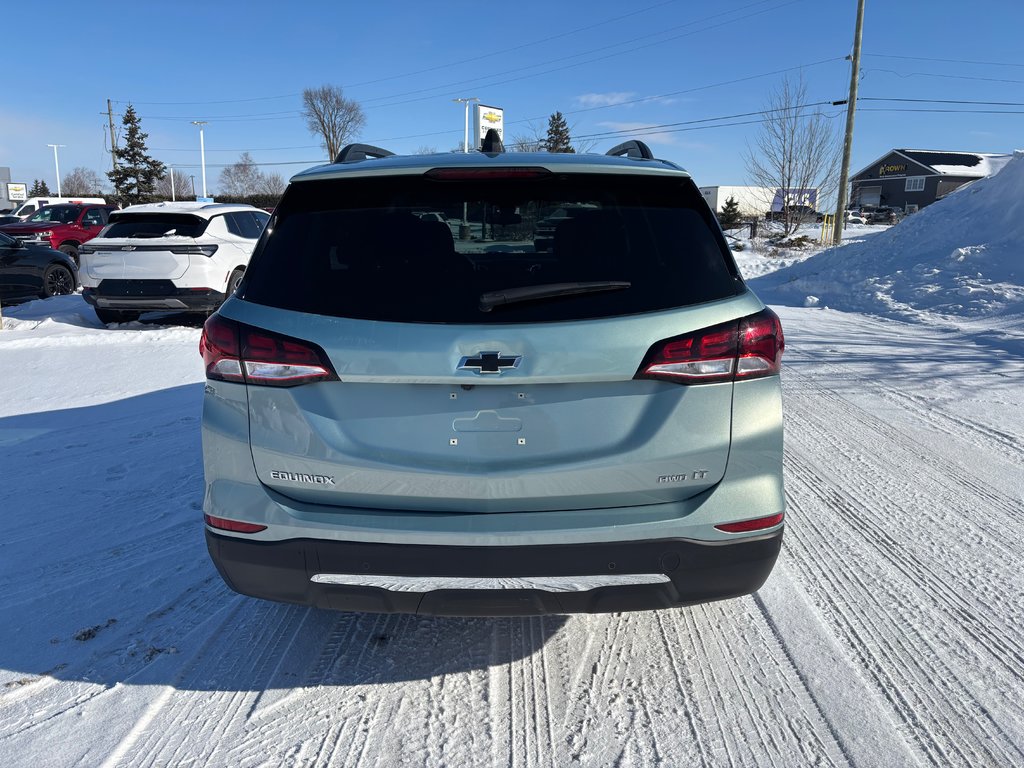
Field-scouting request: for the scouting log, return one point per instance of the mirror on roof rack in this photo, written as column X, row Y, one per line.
column 356, row 152
column 633, row 148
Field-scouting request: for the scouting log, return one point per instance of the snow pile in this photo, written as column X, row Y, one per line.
column 961, row 258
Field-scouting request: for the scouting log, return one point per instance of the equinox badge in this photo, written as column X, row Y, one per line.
column 297, row 477
column 489, row 362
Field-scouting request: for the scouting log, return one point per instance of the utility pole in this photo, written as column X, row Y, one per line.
column 113, row 141
column 851, row 108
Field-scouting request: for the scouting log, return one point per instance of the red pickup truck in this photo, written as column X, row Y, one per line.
column 63, row 227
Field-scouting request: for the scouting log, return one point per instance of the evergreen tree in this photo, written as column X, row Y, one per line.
column 729, row 217
column 39, row 189
column 558, row 135
column 136, row 174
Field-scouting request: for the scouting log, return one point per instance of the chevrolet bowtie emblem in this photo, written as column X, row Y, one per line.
column 489, row 362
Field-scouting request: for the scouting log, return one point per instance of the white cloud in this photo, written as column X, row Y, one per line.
column 609, row 99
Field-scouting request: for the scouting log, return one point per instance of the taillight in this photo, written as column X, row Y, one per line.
column 486, row 174
column 233, row 525
column 237, row 352
column 757, row 524
column 194, row 250
column 761, row 345
column 740, row 349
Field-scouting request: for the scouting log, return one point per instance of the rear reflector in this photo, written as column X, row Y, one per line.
column 237, row 352
column 740, row 349
column 757, row 524
column 233, row 525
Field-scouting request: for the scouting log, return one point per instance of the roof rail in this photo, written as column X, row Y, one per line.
column 632, row 148
column 354, row 153
column 491, row 143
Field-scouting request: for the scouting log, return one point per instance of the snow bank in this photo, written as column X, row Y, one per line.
column 961, row 258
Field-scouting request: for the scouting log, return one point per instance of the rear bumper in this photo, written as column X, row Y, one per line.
column 136, row 295
column 696, row 572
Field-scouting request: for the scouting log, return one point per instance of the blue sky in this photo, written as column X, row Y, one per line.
column 242, row 67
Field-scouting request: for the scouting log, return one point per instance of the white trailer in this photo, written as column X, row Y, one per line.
column 754, row 201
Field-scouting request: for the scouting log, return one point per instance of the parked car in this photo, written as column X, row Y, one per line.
column 7, row 218
column 855, row 217
column 33, row 204
column 885, row 215
column 168, row 256
column 29, row 271
column 544, row 234
column 62, row 227
column 399, row 421
column 803, row 214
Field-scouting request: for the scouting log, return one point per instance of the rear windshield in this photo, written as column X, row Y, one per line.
column 498, row 250
column 62, row 214
column 155, row 225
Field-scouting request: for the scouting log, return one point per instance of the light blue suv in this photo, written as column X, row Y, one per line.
column 432, row 414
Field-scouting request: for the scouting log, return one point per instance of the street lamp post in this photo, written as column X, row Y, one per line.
column 464, row 228
column 56, row 165
column 202, row 151
column 465, row 141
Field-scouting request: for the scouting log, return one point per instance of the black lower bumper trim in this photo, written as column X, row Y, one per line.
column 698, row 572
column 153, row 298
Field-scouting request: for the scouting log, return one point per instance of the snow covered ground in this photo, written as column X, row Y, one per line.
column 890, row 633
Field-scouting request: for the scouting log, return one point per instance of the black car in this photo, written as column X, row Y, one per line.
column 33, row 271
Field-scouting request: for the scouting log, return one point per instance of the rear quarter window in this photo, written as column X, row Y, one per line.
column 373, row 248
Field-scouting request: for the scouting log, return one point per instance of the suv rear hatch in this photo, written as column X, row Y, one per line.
column 475, row 373
column 146, row 246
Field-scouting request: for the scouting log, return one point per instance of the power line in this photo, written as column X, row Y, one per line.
column 945, row 77
column 708, row 86
column 194, row 103
column 945, row 61
column 663, row 127
column 524, row 45
column 467, row 60
column 691, row 90
column 946, row 101
column 949, row 111
column 478, row 83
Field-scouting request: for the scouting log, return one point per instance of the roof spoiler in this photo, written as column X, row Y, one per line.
column 632, row 148
column 355, row 153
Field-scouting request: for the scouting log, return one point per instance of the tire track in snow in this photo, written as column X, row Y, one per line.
column 927, row 694
column 884, row 512
column 832, row 432
column 923, row 409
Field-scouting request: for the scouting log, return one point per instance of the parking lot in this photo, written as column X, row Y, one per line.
column 888, row 635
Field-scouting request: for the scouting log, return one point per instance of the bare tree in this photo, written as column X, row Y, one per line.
column 182, row 187
column 331, row 116
column 270, row 184
column 796, row 151
column 530, row 139
column 424, row 149
column 240, row 179
column 81, row 181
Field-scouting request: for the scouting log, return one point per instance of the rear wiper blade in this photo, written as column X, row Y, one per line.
column 492, row 299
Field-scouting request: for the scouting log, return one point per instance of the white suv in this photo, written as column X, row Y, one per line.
column 168, row 256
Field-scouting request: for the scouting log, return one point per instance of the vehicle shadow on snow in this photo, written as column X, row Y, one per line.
column 105, row 577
